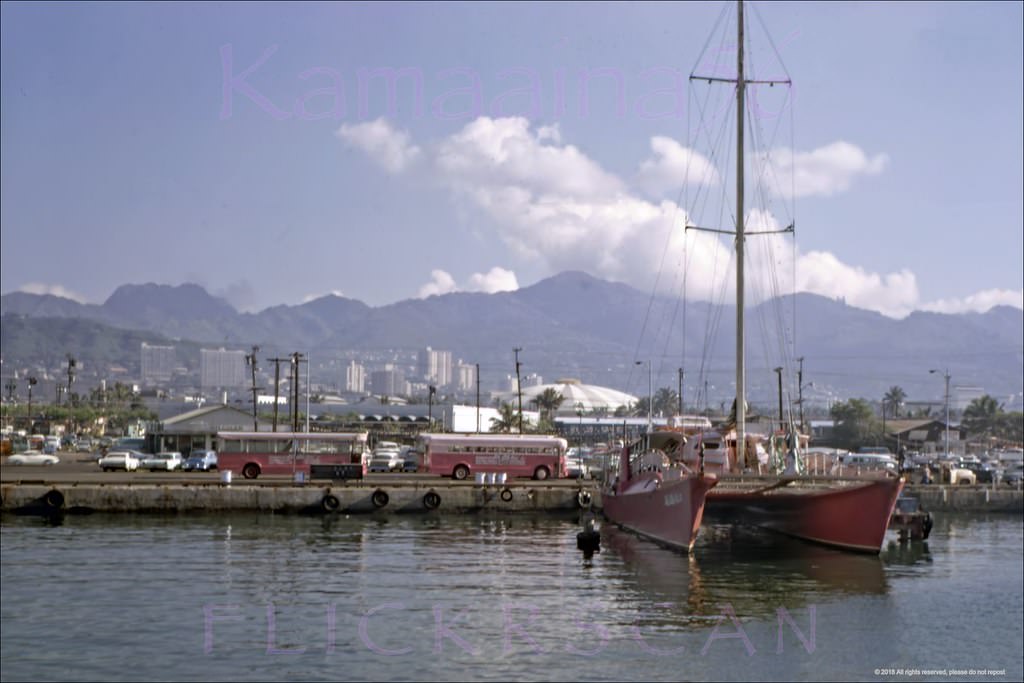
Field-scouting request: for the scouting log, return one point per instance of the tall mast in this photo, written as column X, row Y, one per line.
column 741, row 410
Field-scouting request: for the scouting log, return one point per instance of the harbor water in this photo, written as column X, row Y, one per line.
column 487, row 597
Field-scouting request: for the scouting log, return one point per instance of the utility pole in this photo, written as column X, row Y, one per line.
column 251, row 360
column 32, row 381
column 519, row 388
column 296, row 359
column 431, row 390
column 680, row 397
column 277, row 385
column 477, row 398
column 72, row 363
column 946, row 375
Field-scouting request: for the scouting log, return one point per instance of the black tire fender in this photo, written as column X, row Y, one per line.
column 431, row 500
column 380, row 498
column 54, row 499
column 330, row 503
column 506, row 495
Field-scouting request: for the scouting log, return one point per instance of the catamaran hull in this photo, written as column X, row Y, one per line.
column 851, row 517
column 669, row 515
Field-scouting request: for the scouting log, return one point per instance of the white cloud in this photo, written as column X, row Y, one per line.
column 54, row 290
column 673, row 166
column 824, row 171
column 313, row 297
column 505, row 153
column 553, row 206
column 387, row 147
column 978, row 302
column 440, row 283
column 893, row 294
column 495, row 280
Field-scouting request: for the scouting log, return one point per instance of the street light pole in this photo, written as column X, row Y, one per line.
column 946, row 375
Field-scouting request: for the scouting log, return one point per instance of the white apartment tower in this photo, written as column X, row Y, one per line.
column 355, row 377
column 435, row 366
column 221, row 368
column 157, row 364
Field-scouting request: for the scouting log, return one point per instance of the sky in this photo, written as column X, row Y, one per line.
column 254, row 149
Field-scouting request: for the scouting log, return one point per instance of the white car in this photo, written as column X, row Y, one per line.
column 167, row 461
column 32, row 458
column 120, row 460
column 386, row 460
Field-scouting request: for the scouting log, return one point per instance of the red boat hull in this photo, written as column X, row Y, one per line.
column 841, row 513
column 669, row 514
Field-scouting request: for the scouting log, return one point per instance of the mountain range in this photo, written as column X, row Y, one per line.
column 568, row 325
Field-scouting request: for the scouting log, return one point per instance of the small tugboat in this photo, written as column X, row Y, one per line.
column 910, row 520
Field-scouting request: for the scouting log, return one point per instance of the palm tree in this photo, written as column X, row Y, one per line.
column 982, row 417
column 895, row 398
column 507, row 418
column 548, row 401
column 666, row 401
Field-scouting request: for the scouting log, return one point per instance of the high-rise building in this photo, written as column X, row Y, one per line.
column 220, row 368
column 158, row 364
column 355, row 377
column 466, row 375
column 435, row 366
column 388, row 382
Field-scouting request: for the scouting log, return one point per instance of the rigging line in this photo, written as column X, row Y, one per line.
column 771, row 42
column 711, row 34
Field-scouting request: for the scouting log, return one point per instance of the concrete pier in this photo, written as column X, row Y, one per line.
column 326, row 497
column 355, row 497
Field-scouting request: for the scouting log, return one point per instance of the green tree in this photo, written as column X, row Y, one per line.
column 1011, row 427
column 666, row 401
column 983, row 417
column 548, row 402
column 894, row 398
column 855, row 424
column 507, row 420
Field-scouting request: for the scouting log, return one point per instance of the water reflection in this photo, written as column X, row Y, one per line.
column 753, row 575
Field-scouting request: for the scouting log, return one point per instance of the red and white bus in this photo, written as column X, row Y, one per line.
column 459, row 455
column 254, row 453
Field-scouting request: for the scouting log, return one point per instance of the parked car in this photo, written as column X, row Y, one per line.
column 166, row 461
column 33, row 458
column 120, row 460
column 576, row 468
column 200, row 461
column 386, row 459
column 1013, row 476
column 379, row 462
column 411, row 461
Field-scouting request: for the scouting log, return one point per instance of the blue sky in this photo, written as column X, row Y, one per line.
column 137, row 148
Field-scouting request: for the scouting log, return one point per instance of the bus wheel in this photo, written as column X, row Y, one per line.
column 460, row 473
column 330, row 503
column 541, row 473
column 431, row 500
column 380, row 498
column 251, row 471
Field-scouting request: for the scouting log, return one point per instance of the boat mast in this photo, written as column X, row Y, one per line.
column 741, row 410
